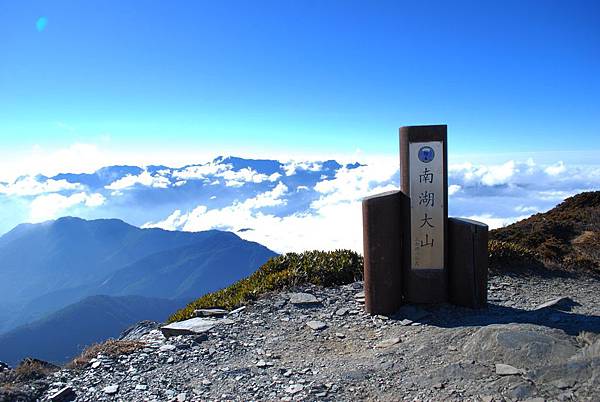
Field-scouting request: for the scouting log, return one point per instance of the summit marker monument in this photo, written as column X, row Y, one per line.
column 413, row 252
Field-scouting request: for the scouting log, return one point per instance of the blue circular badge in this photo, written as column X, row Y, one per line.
column 426, row 154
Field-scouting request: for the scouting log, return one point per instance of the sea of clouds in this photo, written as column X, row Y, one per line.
column 287, row 206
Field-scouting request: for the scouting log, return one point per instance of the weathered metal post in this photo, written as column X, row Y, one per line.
column 424, row 179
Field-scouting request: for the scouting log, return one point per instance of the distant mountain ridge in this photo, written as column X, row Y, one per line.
column 63, row 334
column 50, row 265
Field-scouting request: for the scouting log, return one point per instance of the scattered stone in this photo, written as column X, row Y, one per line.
column 451, row 356
column 360, row 295
column 193, row 326
column 303, row 299
column 342, row 311
column 261, row 363
column 562, row 383
column 167, row 348
column 316, row 325
column 65, row 394
column 388, row 342
column 111, row 389
column 210, row 312
column 294, row 389
column 506, row 369
column 559, row 303
column 237, row 310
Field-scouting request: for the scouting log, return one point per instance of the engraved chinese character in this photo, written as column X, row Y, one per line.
column 426, row 176
column 427, row 241
column 427, row 198
column 426, row 221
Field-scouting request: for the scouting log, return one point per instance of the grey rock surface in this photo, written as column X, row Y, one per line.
column 268, row 353
column 522, row 345
column 136, row 331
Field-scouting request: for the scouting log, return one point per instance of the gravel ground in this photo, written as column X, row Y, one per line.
column 270, row 351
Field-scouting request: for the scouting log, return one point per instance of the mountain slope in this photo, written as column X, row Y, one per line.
column 567, row 236
column 189, row 271
column 47, row 266
column 63, row 334
column 70, row 252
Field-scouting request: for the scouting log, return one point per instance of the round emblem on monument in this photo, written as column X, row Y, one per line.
column 426, row 154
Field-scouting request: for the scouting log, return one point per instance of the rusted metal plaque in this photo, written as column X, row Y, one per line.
column 426, row 160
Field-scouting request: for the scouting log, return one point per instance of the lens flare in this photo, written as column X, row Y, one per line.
column 41, row 23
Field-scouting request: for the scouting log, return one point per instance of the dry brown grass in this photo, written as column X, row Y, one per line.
column 29, row 369
column 111, row 348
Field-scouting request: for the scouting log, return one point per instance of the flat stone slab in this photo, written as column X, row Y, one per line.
column 521, row 345
column 316, row 325
column 303, row 298
column 210, row 312
column 63, row 395
column 193, row 326
column 560, row 303
column 111, row 389
column 506, row 369
column 388, row 342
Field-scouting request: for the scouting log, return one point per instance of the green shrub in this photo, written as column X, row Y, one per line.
column 323, row 268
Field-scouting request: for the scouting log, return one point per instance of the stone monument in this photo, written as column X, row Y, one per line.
column 413, row 252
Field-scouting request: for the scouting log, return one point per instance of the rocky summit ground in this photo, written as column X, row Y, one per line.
column 318, row 344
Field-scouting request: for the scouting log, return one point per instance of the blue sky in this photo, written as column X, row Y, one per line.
column 308, row 76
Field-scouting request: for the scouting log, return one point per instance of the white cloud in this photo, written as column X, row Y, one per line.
column 291, row 167
column 334, row 222
column 201, row 171
column 350, row 185
column 144, row 179
column 29, row 186
column 494, row 194
column 237, row 178
column 453, row 189
column 526, row 209
column 49, row 206
column 496, row 222
column 556, row 169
